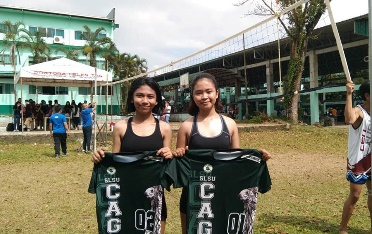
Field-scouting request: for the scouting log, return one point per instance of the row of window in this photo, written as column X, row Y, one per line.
column 5, row 59
column 52, row 32
column 46, row 90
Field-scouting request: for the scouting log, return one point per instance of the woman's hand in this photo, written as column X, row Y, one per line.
column 179, row 152
column 165, row 152
column 265, row 154
column 97, row 155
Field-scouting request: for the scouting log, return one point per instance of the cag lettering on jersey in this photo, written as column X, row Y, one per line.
column 112, row 190
column 202, row 192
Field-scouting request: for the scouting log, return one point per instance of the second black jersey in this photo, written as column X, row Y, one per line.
column 128, row 192
column 223, row 188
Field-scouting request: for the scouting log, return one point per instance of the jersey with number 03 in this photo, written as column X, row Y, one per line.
column 223, row 190
column 128, row 194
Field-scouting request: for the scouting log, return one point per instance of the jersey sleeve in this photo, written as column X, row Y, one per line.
column 176, row 173
column 264, row 180
column 93, row 180
column 264, row 183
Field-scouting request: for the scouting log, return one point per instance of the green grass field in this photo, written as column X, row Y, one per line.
column 42, row 194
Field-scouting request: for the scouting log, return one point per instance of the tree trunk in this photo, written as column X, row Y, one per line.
column 294, row 75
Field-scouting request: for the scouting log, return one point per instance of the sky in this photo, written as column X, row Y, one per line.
column 162, row 31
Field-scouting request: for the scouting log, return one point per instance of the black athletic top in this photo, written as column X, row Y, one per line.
column 220, row 142
column 133, row 143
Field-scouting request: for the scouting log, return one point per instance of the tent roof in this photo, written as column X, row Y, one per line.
column 62, row 72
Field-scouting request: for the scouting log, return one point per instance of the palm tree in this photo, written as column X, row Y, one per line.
column 94, row 44
column 128, row 66
column 69, row 53
column 37, row 45
column 13, row 43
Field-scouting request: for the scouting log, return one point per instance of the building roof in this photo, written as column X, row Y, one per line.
column 110, row 17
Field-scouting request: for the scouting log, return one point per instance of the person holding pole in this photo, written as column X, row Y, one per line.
column 359, row 151
column 86, row 118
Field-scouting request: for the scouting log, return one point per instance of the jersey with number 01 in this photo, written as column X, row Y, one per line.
column 222, row 187
column 128, row 192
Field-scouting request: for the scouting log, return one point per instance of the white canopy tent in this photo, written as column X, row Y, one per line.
column 63, row 72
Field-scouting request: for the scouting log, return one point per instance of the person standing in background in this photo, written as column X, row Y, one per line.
column 58, row 129
column 86, row 118
column 167, row 111
column 75, row 115
column 359, row 151
column 17, row 109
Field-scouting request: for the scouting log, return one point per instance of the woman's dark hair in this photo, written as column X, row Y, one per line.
column 363, row 89
column 193, row 108
column 153, row 85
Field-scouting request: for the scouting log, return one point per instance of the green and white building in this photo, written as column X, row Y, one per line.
column 61, row 30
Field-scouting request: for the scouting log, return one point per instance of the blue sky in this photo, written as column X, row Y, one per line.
column 162, row 31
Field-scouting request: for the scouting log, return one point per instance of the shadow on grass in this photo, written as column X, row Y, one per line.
column 274, row 223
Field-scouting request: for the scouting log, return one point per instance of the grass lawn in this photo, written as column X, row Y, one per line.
column 42, row 194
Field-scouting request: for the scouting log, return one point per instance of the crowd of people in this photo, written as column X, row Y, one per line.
column 32, row 114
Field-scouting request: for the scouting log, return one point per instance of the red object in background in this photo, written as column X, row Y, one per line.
column 112, row 124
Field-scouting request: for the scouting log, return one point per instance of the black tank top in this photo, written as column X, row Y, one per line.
column 219, row 142
column 133, row 143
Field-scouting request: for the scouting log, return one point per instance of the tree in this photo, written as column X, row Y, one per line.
column 37, row 45
column 125, row 66
column 95, row 44
column 12, row 42
column 301, row 23
column 69, row 53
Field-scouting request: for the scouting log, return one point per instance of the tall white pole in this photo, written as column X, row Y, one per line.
column 338, row 41
column 95, row 116
column 370, row 54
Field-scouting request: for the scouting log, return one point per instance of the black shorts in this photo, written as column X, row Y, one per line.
column 183, row 200
column 164, row 212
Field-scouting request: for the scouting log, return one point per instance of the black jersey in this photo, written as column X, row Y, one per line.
column 223, row 188
column 133, row 143
column 220, row 142
column 128, row 192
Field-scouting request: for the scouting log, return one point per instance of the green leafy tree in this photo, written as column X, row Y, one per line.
column 71, row 54
column 125, row 66
column 12, row 43
column 36, row 44
column 301, row 22
column 95, row 44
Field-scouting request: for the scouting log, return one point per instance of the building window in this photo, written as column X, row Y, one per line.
column 3, row 27
column 78, row 35
column 101, row 35
column 32, row 30
column 51, row 32
column 47, row 90
column 47, row 32
column 6, row 88
column 5, row 59
column 60, row 33
column 84, row 91
column 62, row 90
column 104, row 90
column 42, row 31
column 32, row 89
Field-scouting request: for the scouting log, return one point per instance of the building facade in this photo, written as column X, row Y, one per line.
column 62, row 32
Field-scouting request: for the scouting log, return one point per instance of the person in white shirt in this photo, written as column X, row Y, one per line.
column 167, row 111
